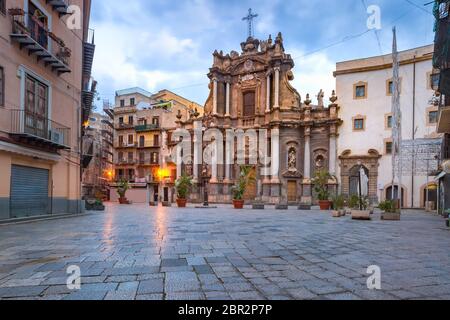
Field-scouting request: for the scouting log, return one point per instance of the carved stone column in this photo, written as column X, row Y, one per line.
column 197, row 150
column 214, row 168
column 275, row 164
column 214, row 96
column 307, row 187
column 277, row 88
column 333, row 153
column 227, row 102
column 179, row 159
column 268, row 89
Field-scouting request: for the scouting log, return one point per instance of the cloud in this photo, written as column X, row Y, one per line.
column 313, row 73
column 160, row 44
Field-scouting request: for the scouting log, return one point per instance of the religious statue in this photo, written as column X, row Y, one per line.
column 320, row 97
column 364, row 183
column 292, row 160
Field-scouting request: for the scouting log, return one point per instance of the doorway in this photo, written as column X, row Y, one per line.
column 292, row 191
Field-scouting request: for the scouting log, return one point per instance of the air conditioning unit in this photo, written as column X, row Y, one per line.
column 57, row 137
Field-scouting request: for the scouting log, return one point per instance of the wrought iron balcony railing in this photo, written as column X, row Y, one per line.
column 32, row 35
column 37, row 128
column 147, row 127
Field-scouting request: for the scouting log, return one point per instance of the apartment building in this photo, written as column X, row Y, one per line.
column 44, row 64
column 364, row 87
column 98, row 163
column 441, row 62
column 143, row 127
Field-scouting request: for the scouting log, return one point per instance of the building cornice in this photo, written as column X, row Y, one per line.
column 381, row 66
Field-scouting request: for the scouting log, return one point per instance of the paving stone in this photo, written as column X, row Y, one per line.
column 150, row 297
column 151, row 286
column 214, row 253
column 121, row 295
column 185, row 296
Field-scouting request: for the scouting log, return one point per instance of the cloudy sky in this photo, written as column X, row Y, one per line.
column 166, row 44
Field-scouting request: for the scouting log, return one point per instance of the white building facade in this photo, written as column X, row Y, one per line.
column 364, row 88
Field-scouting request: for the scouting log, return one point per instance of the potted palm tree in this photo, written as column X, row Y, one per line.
column 320, row 183
column 246, row 177
column 122, row 188
column 182, row 186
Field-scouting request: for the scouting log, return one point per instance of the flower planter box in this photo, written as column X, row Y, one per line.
column 389, row 216
column 361, row 215
column 338, row 213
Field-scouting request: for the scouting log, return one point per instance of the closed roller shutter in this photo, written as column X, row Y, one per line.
column 29, row 191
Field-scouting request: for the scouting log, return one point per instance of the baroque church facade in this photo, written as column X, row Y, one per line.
column 253, row 90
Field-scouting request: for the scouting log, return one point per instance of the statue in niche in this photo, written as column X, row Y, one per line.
column 292, row 160
column 320, row 162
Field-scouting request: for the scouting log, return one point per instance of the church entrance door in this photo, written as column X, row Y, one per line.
column 292, row 191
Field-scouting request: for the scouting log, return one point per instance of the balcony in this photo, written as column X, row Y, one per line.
column 88, row 54
column 125, row 162
column 147, row 127
column 147, row 162
column 444, row 120
column 31, row 35
column 60, row 6
column 148, row 144
column 248, row 122
column 36, row 130
column 125, row 145
column 124, row 126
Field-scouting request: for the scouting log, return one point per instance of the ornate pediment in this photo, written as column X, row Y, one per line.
column 292, row 174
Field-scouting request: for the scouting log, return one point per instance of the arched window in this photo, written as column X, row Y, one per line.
column 249, row 104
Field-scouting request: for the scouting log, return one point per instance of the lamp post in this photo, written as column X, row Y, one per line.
column 360, row 187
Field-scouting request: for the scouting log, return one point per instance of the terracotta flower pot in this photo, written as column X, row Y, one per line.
column 181, row 203
column 325, row 204
column 238, row 204
column 123, row 200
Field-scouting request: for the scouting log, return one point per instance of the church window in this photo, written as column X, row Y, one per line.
column 388, row 147
column 249, row 104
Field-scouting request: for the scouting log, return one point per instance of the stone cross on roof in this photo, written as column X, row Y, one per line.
column 249, row 19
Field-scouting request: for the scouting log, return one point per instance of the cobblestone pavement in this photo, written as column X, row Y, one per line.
column 137, row 252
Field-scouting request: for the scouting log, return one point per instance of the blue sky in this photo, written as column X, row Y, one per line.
column 166, row 44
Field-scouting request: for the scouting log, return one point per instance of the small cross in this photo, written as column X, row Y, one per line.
column 250, row 18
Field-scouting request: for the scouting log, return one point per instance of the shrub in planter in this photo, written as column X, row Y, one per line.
column 246, row 177
column 122, row 188
column 360, row 208
column 338, row 206
column 390, row 211
column 182, row 186
column 320, row 183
